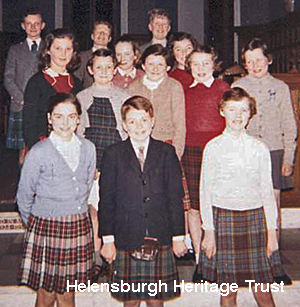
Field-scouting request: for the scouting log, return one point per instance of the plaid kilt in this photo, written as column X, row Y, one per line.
column 56, row 250
column 103, row 126
column 241, row 241
column 14, row 137
column 136, row 272
column 191, row 162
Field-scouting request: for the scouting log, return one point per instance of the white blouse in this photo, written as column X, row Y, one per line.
column 236, row 175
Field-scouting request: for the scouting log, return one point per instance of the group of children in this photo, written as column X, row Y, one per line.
column 121, row 128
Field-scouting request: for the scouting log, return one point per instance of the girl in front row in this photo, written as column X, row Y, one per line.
column 52, row 196
column 238, row 206
column 101, row 122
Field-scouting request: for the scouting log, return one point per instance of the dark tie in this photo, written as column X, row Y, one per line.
column 141, row 157
column 34, row 48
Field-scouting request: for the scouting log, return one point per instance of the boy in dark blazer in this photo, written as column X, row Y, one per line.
column 140, row 197
column 21, row 65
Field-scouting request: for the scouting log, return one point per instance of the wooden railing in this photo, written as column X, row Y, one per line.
column 282, row 37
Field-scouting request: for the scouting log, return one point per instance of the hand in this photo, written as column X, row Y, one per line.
column 208, row 245
column 179, row 248
column 108, row 251
column 286, row 169
column 96, row 174
column 272, row 244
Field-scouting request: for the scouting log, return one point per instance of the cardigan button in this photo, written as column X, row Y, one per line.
column 146, row 199
column 144, row 182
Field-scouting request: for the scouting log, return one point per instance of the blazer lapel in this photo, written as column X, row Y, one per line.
column 152, row 155
column 131, row 156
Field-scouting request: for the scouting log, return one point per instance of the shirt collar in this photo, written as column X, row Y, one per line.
column 239, row 137
column 53, row 73
column 144, row 144
column 163, row 42
column 30, row 41
column 267, row 76
column 123, row 74
column 152, row 85
column 207, row 83
column 58, row 142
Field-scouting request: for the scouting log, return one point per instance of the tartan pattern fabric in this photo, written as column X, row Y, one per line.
column 102, row 131
column 14, row 137
column 129, row 270
column 191, row 162
column 56, row 250
column 241, row 241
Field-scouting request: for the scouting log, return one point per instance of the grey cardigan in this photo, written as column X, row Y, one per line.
column 49, row 188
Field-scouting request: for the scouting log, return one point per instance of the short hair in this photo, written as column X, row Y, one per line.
column 238, row 94
column 34, row 10
column 49, row 39
column 254, row 44
column 63, row 97
column 156, row 49
column 160, row 13
column 103, row 22
column 203, row 49
column 126, row 38
column 102, row 52
column 178, row 37
column 137, row 103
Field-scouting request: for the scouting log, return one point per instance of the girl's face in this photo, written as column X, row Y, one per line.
column 125, row 55
column 102, row 70
column 155, row 67
column 64, row 120
column 237, row 114
column 202, row 66
column 181, row 50
column 61, row 52
column 257, row 63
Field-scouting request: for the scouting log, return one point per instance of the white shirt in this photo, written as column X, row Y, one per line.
column 152, row 85
column 70, row 151
column 30, row 42
column 163, row 42
column 123, row 73
column 207, row 83
column 236, row 175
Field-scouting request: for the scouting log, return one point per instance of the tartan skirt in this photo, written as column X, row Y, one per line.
column 191, row 162
column 57, row 250
column 241, row 250
column 135, row 273
column 14, row 137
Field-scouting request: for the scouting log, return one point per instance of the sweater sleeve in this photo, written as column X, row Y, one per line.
column 178, row 110
column 206, row 188
column 32, row 98
column 27, row 186
column 288, row 125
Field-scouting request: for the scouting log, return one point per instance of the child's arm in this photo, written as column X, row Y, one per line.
column 27, row 186
column 268, row 200
column 289, row 130
column 178, row 110
column 106, row 210
column 85, row 100
column 208, row 244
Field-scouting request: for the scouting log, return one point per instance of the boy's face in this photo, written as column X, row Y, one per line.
column 181, row 50
column 33, row 26
column 159, row 27
column 237, row 114
column 256, row 63
column 202, row 66
column 155, row 67
column 138, row 125
column 101, row 36
column 102, row 69
column 125, row 55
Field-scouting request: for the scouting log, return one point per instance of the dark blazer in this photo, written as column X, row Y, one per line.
column 37, row 93
column 21, row 64
column 132, row 201
column 82, row 73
